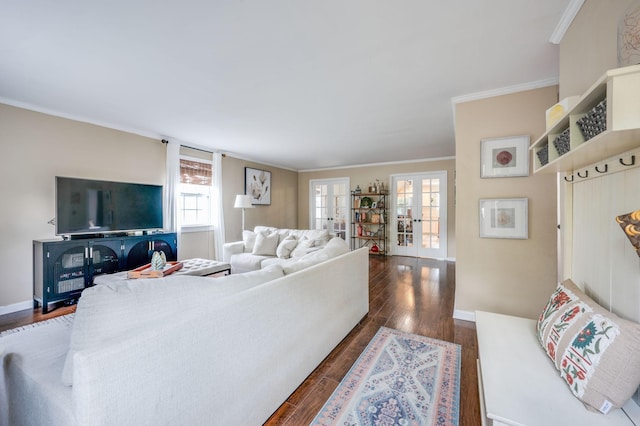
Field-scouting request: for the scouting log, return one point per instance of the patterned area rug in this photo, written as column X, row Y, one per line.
column 66, row 320
column 399, row 379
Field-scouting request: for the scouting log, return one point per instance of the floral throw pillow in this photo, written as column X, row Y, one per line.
column 559, row 298
column 596, row 352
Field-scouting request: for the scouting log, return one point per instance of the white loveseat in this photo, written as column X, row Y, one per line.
column 183, row 350
column 267, row 245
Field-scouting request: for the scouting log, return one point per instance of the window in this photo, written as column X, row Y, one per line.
column 195, row 192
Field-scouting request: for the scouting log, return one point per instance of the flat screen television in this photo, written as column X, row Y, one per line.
column 85, row 206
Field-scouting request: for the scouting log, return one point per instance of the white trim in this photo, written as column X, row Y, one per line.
column 355, row 166
column 257, row 161
column 450, row 259
column 196, row 228
column 565, row 21
column 508, row 90
column 464, row 315
column 20, row 306
column 58, row 113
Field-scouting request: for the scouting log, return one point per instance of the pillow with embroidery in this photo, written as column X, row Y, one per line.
column 596, row 352
column 560, row 298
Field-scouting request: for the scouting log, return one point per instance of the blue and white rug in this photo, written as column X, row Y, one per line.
column 400, row 379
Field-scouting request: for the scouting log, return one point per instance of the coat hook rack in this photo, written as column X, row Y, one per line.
column 606, row 169
column 565, row 178
column 586, row 174
column 633, row 161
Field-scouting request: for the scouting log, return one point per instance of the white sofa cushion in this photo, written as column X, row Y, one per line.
column 334, row 248
column 249, row 239
column 266, row 244
column 118, row 309
column 245, row 262
column 286, row 247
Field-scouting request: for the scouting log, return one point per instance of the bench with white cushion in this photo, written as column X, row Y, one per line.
column 519, row 384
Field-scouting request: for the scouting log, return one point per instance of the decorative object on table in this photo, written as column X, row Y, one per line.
column 357, row 191
column 243, row 202
column 145, row 271
column 257, row 184
column 504, row 157
column 629, row 36
column 504, row 218
column 561, row 142
column 158, row 260
column 366, row 202
column 399, row 379
column 594, row 122
column 630, row 224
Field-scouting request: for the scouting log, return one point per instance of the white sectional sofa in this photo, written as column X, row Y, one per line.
column 266, row 246
column 183, row 350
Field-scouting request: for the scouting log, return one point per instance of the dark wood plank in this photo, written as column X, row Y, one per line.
column 409, row 294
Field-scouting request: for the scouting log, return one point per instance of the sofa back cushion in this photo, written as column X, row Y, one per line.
column 118, row 309
column 266, row 244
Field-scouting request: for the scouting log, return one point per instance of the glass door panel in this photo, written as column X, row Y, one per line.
column 420, row 206
column 329, row 206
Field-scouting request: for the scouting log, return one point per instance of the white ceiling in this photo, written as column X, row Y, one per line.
column 298, row 84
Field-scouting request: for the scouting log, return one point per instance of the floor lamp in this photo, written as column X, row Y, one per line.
column 243, row 202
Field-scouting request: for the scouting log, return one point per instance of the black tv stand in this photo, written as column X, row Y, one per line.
column 63, row 268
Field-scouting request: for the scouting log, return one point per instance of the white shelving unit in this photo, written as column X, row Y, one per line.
column 621, row 88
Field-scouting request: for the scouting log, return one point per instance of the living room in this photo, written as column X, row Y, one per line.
column 513, row 277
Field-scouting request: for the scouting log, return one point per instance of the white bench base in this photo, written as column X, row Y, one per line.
column 519, row 384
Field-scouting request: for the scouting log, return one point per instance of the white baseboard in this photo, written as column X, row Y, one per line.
column 20, row 306
column 464, row 315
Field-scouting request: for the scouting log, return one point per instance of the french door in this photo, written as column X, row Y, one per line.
column 329, row 206
column 419, row 215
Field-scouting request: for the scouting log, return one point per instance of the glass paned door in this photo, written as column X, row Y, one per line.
column 420, row 215
column 329, row 206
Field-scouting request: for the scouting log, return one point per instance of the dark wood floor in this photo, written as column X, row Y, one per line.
column 408, row 294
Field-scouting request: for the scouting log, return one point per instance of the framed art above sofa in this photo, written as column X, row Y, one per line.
column 257, row 183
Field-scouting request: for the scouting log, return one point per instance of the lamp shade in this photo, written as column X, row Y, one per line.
column 243, row 202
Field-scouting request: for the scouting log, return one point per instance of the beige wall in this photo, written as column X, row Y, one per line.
column 282, row 213
column 589, row 47
column 37, row 147
column 501, row 275
column 363, row 175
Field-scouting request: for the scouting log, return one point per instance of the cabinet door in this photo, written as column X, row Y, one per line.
column 166, row 244
column 137, row 252
column 66, row 269
column 104, row 257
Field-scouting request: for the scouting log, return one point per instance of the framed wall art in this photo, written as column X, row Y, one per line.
column 257, row 183
column 504, row 157
column 504, row 218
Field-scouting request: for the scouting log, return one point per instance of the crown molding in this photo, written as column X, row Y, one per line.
column 565, row 21
column 532, row 85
